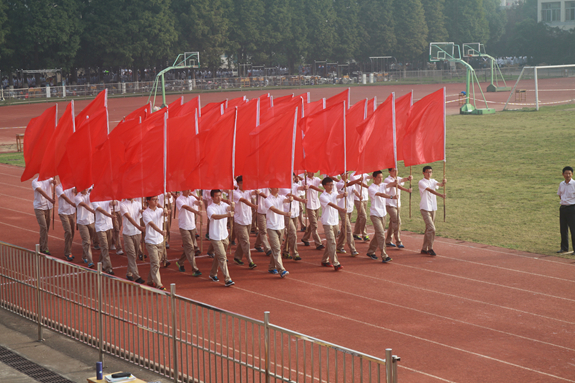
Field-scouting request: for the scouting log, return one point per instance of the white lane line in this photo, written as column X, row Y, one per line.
column 14, row 127
column 11, row 175
column 410, row 336
column 16, row 186
column 11, row 196
column 35, row 232
column 17, row 211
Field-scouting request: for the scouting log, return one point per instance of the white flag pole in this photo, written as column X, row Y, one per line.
column 233, row 174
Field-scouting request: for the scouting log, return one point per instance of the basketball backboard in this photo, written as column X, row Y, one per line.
column 188, row 60
column 443, row 51
column 473, row 50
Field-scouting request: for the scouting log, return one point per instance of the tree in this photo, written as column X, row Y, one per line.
column 277, row 31
column 321, row 23
column 410, row 29
column 297, row 45
column 376, row 27
column 246, row 33
column 466, row 22
column 3, row 25
column 435, row 20
column 497, row 18
column 346, row 45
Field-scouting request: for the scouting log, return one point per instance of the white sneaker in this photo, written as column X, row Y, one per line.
column 113, row 247
column 120, row 252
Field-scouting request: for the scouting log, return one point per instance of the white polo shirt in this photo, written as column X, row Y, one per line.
column 242, row 212
column 161, row 200
column 329, row 215
column 428, row 200
column 206, row 194
column 295, row 204
column 392, row 191
column 41, row 203
column 312, row 195
column 262, row 201
column 133, row 209
column 84, row 216
column 275, row 221
column 350, row 194
column 186, row 219
column 103, row 222
column 567, row 193
column 64, row 207
column 218, row 227
column 156, row 217
column 360, row 189
column 377, row 203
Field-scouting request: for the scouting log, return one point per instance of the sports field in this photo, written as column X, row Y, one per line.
column 474, row 313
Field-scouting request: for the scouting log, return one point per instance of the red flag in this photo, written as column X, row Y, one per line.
column 283, row 99
column 271, row 160
column 343, row 96
column 79, row 149
column 181, row 132
column 314, row 107
column 36, row 139
column 376, row 142
column 424, row 139
column 280, row 109
column 355, row 116
column 265, row 103
column 57, row 145
column 210, row 106
column 371, row 106
column 96, row 105
column 402, row 110
column 211, row 117
column 175, row 107
column 323, row 140
column 189, row 107
column 236, row 102
column 143, row 112
column 246, row 123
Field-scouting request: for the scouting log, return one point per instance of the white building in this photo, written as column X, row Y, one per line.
column 558, row 13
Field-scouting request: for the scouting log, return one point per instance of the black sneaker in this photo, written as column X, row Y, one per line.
column 110, row 272
column 141, row 256
column 69, row 258
column 140, row 281
column 357, row 237
column 229, row 283
column 214, row 278
column 268, row 253
column 167, row 263
column 337, row 268
column 196, row 273
column 320, row 247
column 386, row 260
column 211, row 255
column 180, row 267
column 563, row 252
column 130, row 278
column 431, row 252
column 391, row 244
column 424, row 251
column 233, row 243
column 372, row 256
column 259, row 249
column 297, row 258
column 366, row 238
column 252, row 265
column 305, row 243
column 167, row 245
column 238, row 261
column 303, row 229
column 326, row 264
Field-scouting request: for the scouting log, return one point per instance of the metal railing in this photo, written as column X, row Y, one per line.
column 174, row 336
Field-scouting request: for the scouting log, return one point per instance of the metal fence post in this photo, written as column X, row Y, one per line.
column 100, row 321
column 38, row 295
column 267, row 344
column 174, row 330
column 395, row 359
column 388, row 366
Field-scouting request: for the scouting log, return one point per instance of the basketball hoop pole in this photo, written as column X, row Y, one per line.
column 183, row 61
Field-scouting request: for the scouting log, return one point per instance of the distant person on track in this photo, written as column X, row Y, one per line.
column 43, row 204
column 393, row 185
column 566, row 193
column 85, row 220
column 428, row 207
column 67, row 214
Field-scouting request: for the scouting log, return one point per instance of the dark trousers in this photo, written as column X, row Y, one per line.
column 567, row 222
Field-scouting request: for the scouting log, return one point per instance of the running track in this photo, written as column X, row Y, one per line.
column 474, row 313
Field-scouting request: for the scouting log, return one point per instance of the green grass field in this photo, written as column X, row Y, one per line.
column 503, row 172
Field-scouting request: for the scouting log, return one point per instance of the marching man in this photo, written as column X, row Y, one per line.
column 377, row 214
column 330, row 221
column 153, row 218
column 131, row 211
column 392, row 184
column 67, row 214
column 187, row 222
column 275, row 223
column 243, row 222
column 218, row 214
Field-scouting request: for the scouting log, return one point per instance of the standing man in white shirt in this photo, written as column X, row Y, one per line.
column 275, row 223
column 104, row 227
column 392, row 184
column 43, row 204
column 345, row 233
column 360, row 198
column 243, row 222
column 428, row 207
column 218, row 214
column 185, row 204
column 262, row 243
column 67, row 213
column 117, row 229
column 312, row 207
column 330, row 221
column 153, row 218
column 289, row 249
column 377, row 214
column 131, row 211
column 85, row 219
column 566, row 193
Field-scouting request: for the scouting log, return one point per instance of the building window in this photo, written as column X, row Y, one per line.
column 551, row 11
column 570, row 11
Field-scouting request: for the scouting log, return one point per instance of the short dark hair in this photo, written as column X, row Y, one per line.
column 376, row 173
column 214, row 191
column 149, row 198
column 567, row 168
column 326, row 180
column 389, row 169
column 239, row 179
column 426, row 168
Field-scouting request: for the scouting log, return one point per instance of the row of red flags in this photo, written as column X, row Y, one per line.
column 186, row 146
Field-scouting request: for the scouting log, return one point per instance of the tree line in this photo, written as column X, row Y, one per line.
column 137, row 34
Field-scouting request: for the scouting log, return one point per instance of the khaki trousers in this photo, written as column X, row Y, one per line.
column 117, row 221
column 276, row 257
column 378, row 239
column 190, row 247
column 243, row 236
column 43, row 218
column 345, row 233
column 360, row 228
column 262, row 239
column 105, row 238
column 69, row 225
column 329, row 253
column 155, row 253
column 300, row 216
column 220, row 248
column 394, row 228
column 132, row 247
column 429, row 236
column 311, row 230
column 290, row 244
column 87, row 232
